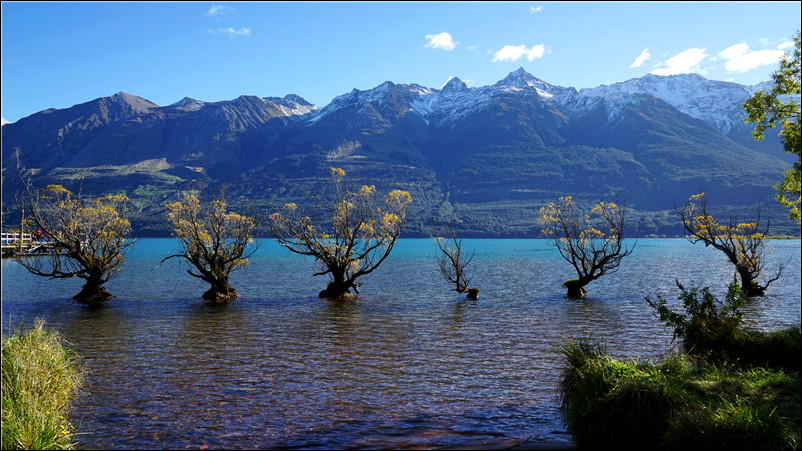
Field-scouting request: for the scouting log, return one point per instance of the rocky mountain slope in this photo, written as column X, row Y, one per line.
column 485, row 158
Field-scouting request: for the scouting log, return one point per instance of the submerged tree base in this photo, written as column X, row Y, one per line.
column 347, row 296
column 339, row 291
column 753, row 289
column 337, row 295
column 575, row 289
column 221, row 295
column 93, row 296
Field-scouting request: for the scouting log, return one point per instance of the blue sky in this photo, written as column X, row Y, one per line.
column 55, row 55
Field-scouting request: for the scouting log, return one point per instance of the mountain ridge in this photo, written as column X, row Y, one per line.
column 483, row 157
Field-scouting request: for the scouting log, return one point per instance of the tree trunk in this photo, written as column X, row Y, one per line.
column 221, row 292
column 576, row 288
column 93, row 293
column 750, row 286
column 338, row 288
column 337, row 291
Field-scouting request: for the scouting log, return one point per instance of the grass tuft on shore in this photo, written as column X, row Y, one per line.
column 39, row 379
column 677, row 403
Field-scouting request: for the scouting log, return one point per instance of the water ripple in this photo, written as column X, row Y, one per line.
column 409, row 364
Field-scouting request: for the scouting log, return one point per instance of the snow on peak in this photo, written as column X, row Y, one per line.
column 297, row 99
column 764, row 86
column 378, row 96
column 521, row 79
column 457, row 100
column 717, row 102
column 188, row 104
column 455, row 85
column 292, row 105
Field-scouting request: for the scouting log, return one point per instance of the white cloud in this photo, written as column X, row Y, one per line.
column 516, row 52
column 785, row 45
column 218, row 10
column 440, row 41
column 741, row 59
column 734, row 51
column 684, row 62
column 535, row 9
column 642, row 58
column 4, row 121
column 232, row 31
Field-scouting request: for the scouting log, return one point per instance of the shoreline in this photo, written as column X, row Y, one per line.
column 526, row 444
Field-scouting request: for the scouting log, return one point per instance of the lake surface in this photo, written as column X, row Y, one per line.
column 409, row 364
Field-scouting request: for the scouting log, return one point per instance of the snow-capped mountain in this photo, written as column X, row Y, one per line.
column 484, row 156
column 188, row 104
column 719, row 103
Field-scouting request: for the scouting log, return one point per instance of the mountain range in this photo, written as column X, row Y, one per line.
column 483, row 158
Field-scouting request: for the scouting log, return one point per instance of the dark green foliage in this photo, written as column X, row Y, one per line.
column 712, row 330
column 607, row 404
column 779, row 106
column 704, row 318
column 775, row 349
column 732, row 388
column 757, row 409
column 676, row 405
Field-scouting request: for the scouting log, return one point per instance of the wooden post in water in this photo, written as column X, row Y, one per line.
column 21, row 227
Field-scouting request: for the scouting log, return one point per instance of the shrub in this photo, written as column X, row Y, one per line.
column 40, row 378
column 781, row 349
column 708, row 326
column 713, row 331
column 608, row 403
column 676, row 405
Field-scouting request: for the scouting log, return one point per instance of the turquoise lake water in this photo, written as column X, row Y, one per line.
column 409, row 364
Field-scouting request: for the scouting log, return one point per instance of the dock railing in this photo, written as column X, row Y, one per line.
column 15, row 243
column 13, row 238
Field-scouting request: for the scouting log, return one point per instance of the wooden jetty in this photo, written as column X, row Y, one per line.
column 25, row 244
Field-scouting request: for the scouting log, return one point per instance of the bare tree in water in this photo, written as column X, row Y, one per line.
column 453, row 262
column 744, row 243
column 90, row 239
column 363, row 233
column 214, row 242
column 592, row 243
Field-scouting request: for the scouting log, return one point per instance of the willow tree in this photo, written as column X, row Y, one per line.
column 363, row 232
column 592, row 243
column 214, row 242
column 744, row 243
column 453, row 263
column 89, row 239
column 781, row 105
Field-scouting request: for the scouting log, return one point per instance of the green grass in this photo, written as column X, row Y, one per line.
column 713, row 331
column 39, row 379
column 677, row 403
